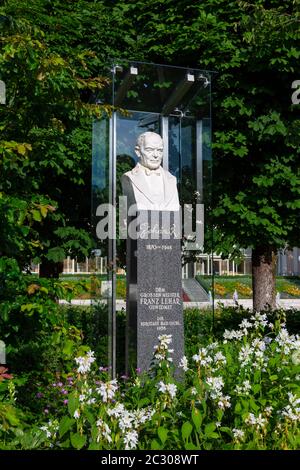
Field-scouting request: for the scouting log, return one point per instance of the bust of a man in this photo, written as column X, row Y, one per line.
column 148, row 185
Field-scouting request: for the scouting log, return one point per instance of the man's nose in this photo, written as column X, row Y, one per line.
column 155, row 153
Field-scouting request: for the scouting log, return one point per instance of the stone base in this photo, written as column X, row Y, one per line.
column 154, row 298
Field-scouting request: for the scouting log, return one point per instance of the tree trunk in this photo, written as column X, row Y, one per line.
column 50, row 269
column 264, row 260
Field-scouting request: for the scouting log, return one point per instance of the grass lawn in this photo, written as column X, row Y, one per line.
column 90, row 286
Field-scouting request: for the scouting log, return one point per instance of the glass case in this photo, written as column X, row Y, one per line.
column 174, row 102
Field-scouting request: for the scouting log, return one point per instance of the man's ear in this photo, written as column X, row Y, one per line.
column 137, row 151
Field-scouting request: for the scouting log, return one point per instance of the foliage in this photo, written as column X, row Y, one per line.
column 39, row 339
column 253, row 47
column 241, row 393
column 45, row 141
column 161, row 409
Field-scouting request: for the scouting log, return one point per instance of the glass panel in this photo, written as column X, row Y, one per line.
column 174, row 102
column 101, row 338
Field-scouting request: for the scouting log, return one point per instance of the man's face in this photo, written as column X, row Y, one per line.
column 151, row 152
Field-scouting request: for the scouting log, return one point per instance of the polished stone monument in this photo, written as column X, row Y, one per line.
column 154, row 287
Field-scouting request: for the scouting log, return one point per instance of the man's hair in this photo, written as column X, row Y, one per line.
column 141, row 138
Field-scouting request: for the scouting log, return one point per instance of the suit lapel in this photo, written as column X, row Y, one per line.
column 138, row 178
column 168, row 185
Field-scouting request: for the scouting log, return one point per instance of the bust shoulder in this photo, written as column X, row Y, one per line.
column 134, row 172
column 169, row 175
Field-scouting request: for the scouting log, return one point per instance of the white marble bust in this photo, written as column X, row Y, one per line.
column 148, row 185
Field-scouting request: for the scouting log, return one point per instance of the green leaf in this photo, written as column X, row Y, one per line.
column 78, row 440
column 209, row 428
column 44, row 211
column 73, row 404
column 256, row 388
column 65, row 444
column 36, row 215
column 155, row 445
column 197, row 418
column 162, row 434
column 10, row 414
column 253, row 405
column 56, row 254
column 190, row 446
column 143, row 402
column 65, row 425
column 238, row 408
column 226, row 430
column 94, row 446
column 68, row 347
column 186, row 430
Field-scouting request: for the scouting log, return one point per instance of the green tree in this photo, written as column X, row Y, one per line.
column 254, row 49
column 45, row 143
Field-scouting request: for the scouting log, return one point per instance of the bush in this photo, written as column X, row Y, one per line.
column 239, row 393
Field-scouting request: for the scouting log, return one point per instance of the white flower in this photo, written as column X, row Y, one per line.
column 238, row 434
column 159, row 357
column 296, row 357
column 245, row 355
column 162, row 387
column 257, row 422
column 202, row 358
column 126, row 420
column 165, row 340
column 85, row 362
column 76, row 414
column 107, row 390
column 50, row 429
column 130, row 440
column 268, row 410
column 219, row 359
column 292, row 410
column 232, row 334
column 287, row 342
column 245, row 325
column 215, row 386
column 169, row 389
column 172, row 389
column 104, row 431
column 212, row 346
column 244, row 388
column 259, row 320
column 46, row 430
column 117, row 411
column 184, row 363
column 290, row 414
column 293, row 399
column 224, row 402
column 91, row 401
column 142, row 415
column 193, row 391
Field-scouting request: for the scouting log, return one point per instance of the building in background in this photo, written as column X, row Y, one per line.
column 288, row 265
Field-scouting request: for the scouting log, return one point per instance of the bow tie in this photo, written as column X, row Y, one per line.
column 149, row 172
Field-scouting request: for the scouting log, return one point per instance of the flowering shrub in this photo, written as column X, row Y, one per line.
column 9, row 414
column 243, row 289
column 219, row 289
column 292, row 290
column 239, row 393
